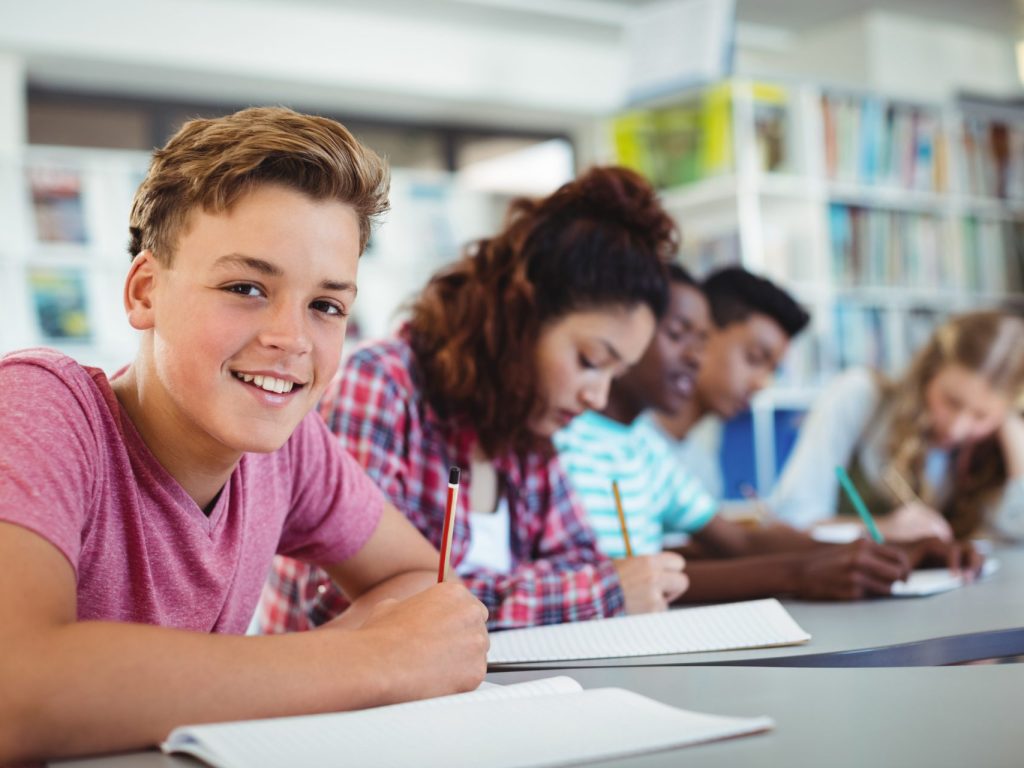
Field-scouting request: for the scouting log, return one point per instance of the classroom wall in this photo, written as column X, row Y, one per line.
column 897, row 55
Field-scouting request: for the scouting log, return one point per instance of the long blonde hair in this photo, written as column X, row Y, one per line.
column 990, row 344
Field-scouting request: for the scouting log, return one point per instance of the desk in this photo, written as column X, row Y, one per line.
column 981, row 621
column 949, row 716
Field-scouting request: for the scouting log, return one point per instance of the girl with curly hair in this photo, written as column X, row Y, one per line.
column 502, row 349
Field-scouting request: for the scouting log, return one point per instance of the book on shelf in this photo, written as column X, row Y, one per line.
column 881, row 247
column 860, row 337
column 771, row 127
column 547, row 722
column 993, row 255
column 991, row 157
column 692, row 140
column 57, row 204
column 919, row 324
column 61, row 303
column 872, row 142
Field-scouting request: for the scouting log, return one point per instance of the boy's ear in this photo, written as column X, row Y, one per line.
column 139, row 288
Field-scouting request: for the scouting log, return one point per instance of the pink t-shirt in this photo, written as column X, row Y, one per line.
column 74, row 470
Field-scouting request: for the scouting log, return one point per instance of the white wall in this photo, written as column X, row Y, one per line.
column 337, row 56
column 900, row 56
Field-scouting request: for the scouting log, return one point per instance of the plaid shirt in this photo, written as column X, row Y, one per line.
column 377, row 410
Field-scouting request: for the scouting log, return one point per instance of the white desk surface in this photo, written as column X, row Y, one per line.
column 933, row 717
column 982, row 620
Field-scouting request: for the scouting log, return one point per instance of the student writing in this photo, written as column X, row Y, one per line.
column 729, row 561
column 501, row 350
column 753, row 322
column 143, row 510
column 947, row 431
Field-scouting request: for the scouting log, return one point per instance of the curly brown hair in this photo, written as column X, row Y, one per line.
column 602, row 240
column 210, row 164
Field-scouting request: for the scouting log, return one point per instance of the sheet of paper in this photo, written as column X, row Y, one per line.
column 932, row 581
column 547, row 730
column 753, row 624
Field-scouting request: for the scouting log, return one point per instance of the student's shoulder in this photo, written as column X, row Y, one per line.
column 389, row 361
column 46, row 374
column 592, row 435
column 855, row 386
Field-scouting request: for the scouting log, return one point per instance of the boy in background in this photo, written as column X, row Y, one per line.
column 139, row 514
column 754, row 322
column 729, row 561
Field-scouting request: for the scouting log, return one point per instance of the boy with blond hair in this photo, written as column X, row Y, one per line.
column 139, row 514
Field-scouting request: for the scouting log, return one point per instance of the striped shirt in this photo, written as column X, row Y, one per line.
column 658, row 496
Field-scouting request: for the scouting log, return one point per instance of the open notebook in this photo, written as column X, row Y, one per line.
column 752, row 624
column 549, row 722
column 931, row 581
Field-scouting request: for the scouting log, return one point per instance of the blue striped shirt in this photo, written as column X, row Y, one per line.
column 658, row 495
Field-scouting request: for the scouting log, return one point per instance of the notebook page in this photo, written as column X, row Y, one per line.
column 932, row 581
column 547, row 686
column 752, row 624
column 547, row 731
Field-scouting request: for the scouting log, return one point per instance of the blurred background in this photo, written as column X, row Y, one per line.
column 869, row 156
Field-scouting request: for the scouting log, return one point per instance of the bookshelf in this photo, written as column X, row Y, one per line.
column 63, row 253
column 882, row 216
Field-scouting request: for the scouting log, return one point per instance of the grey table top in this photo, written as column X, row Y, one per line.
column 945, row 716
column 979, row 621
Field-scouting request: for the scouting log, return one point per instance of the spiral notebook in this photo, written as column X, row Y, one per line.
column 550, row 722
column 728, row 627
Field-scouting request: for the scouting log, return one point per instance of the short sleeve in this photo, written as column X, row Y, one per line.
column 335, row 505
column 693, row 506
column 50, row 453
column 807, row 490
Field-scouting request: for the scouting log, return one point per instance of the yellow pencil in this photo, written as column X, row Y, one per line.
column 622, row 518
column 900, row 487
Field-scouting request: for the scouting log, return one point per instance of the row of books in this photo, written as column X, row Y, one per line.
column 58, row 298
column 993, row 255
column 877, row 247
column 693, row 140
column 57, row 206
column 880, row 338
column 868, row 141
column 992, row 158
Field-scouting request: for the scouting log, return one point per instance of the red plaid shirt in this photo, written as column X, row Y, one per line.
column 377, row 410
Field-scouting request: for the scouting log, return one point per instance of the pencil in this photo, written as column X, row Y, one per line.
column 858, row 504
column 449, row 525
column 622, row 518
column 900, row 487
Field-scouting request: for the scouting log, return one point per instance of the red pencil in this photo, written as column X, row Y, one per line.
column 449, row 524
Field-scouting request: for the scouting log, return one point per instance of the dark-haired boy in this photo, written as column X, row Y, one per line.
column 727, row 561
column 754, row 321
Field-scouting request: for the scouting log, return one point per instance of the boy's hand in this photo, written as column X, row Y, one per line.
column 915, row 521
column 851, row 571
column 651, row 582
column 435, row 642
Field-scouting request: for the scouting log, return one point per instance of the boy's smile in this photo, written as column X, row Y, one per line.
column 244, row 329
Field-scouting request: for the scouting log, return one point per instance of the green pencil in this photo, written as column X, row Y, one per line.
column 858, row 504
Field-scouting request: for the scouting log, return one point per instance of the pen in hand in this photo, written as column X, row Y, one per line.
column 449, row 525
column 858, row 504
column 622, row 518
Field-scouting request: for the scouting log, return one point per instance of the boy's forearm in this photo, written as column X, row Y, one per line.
column 100, row 687
column 779, row 537
column 741, row 578
column 397, row 587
